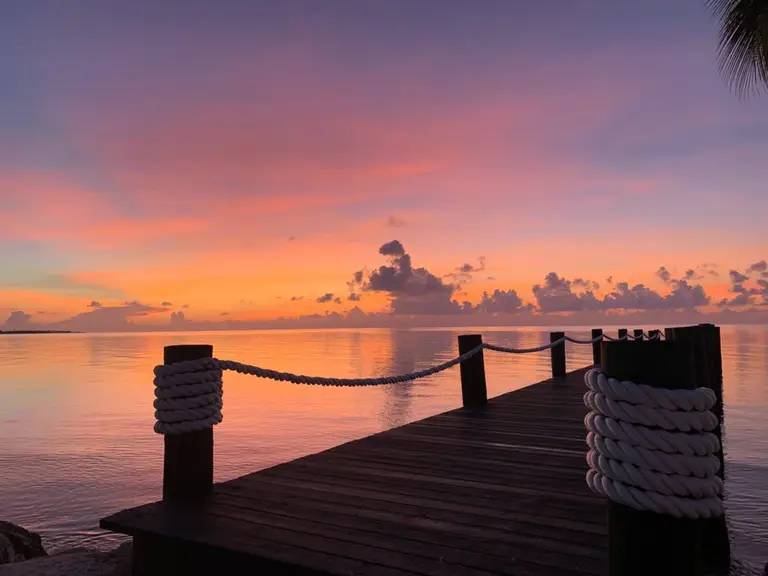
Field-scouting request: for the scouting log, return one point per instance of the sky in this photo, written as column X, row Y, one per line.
column 297, row 163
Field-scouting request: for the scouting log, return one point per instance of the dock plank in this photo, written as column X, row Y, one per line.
column 471, row 492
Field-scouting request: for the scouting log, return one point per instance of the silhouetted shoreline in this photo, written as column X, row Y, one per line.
column 38, row 332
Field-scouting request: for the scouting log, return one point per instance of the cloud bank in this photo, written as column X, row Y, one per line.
column 416, row 295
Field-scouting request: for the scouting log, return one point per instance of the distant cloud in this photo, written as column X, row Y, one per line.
column 663, row 274
column 94, row 304
column 224, row 314
column 296, row 298
column 354, row 297
column 291, row 238
column 177, row 319
column 556, row 295
column 502, row 302
column 742, row 299
column 761, row 266
column 490, row 278
column 185, row 306
column 609, row 280
column 465, row 271
column 327, row 297
column 587, row 284
column 411, row 290
column 18, row 320
column 107, row 318
column 737, row 277
column 166, row 303
column 337, row 300
column 708, row 269
column 748, row 295
column 395, row 222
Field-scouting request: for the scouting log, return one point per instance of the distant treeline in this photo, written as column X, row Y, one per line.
column 36, row 332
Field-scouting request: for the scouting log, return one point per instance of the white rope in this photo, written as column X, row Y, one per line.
column 525, row 350
column 612, row 339
column 651, row 449
column 189, row 393
column 592, row 341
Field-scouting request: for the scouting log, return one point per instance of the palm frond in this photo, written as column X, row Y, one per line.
column 743, row 45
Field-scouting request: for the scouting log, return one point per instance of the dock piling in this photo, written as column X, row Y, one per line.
column 596, row 345
column 473, row 388
column 622, row 332
column 638, row 334
column 188, row 458
column 716, row 542
column 557, row 354
column 640, row 542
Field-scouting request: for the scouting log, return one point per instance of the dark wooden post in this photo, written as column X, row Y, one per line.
column 716, row 542
column 700, row 338
column 473, row 389
column 596, row 345
column 644, row 543
column 713, row 350
column 638, row 334
column 188, row 462
column 654, row 335
column 622, row 332
column 557, row 354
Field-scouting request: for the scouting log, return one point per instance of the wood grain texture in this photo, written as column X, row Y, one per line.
column 498, row 489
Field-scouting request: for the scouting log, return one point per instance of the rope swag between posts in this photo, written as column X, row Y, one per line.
column 188, row 394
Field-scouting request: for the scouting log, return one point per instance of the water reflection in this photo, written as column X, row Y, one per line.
column 410, row 351
column 76, row 439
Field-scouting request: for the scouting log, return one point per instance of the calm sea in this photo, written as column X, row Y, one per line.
column 76, row 439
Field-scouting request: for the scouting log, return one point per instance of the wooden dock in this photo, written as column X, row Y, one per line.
column 493, row 489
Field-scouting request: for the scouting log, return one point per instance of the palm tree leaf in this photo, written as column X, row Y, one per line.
column 743, row 46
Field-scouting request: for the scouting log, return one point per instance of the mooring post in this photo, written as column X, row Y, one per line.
column 700, row 338
column 557, row 353
column 596, row 345
column 654, row 335
column 713, row 351
column 716, row 542
column 188, row 461
column 622, row 333
column 638, row 334
column 641, row 543
column 473, row 389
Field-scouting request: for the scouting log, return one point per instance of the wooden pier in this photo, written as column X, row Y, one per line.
column 492, row 490
column 495, row 487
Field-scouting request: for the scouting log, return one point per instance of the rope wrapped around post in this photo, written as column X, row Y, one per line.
column 651, row 448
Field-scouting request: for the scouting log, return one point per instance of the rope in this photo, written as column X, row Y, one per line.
column 525, row 350
column 188, row 394
column 592, row 341
column 615, row 339
column 651, row 448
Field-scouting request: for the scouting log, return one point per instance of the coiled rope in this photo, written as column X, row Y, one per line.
column 651, row 448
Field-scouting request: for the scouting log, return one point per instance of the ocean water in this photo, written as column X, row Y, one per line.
column 76, row 439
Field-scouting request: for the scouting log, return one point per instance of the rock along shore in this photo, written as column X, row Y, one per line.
column 22, row 554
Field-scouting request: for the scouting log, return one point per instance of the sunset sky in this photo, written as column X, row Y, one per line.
column 248, row 160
